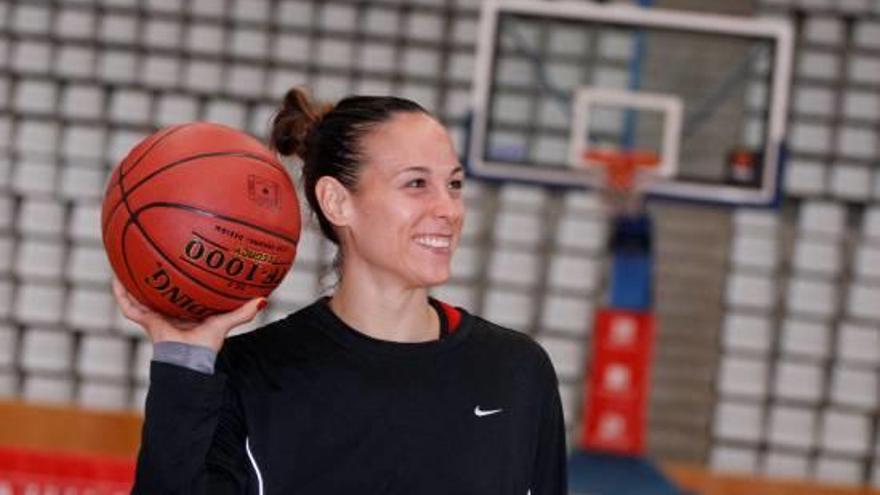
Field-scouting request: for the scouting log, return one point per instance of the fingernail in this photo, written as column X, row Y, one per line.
column 262, row 304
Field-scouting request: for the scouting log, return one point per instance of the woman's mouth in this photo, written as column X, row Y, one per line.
column 434, row 242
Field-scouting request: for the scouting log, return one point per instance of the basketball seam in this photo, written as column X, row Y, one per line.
column 228, row 279
column 124, row 199
column 217, row 244
column 158, row 251
column 133, row 220
column 128, row 265
column 161, row 138
column 183, row 161
column 207, row 213
column 226, row 250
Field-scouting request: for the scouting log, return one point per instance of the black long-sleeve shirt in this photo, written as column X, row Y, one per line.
column 307, row 405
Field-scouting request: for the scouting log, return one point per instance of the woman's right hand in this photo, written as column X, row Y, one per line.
column 210, row 332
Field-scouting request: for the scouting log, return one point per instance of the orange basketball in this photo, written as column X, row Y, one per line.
column 198, row 219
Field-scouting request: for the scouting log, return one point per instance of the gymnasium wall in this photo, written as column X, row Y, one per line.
column 769, row 338
column 797, row 378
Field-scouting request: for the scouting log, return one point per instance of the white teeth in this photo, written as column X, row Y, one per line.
column 433, row 241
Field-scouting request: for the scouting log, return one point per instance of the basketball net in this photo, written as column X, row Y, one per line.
column 620, row 176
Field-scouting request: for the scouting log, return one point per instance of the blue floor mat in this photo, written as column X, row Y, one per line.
column 593, row 473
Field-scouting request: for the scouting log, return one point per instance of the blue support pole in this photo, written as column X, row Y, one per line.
column 635, row 82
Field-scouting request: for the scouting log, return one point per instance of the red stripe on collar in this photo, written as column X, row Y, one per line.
column 453, row 316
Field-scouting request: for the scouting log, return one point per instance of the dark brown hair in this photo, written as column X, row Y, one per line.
column 328, row 137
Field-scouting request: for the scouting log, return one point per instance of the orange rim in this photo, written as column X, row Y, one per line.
column 621, row 167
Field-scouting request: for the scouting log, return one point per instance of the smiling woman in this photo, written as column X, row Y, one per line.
column 377, row 388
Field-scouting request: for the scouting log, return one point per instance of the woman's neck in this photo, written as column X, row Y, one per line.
column 391, row 314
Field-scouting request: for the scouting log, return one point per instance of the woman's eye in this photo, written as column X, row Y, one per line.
column 456, row 184
column 416, row 183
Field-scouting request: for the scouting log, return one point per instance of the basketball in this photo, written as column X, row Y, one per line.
column 198, row 219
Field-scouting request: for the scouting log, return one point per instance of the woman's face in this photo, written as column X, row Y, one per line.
column 407, row 209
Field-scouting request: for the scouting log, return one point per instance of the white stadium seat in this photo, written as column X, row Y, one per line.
column 792, row 427
column 38, row 260
column 161, row 71
column 8, row 385
column 89, row 309
column 854, row 387
column 805, row 338
column 751, row 291
column 518, row 228
column 510, row 309
column 85, row 222
column 801, row 382
column 8, row 346
column 832, row 469
column 82, row 100
column 7, row 212
column 47, row 350
column 742, row 377
column 466, row 262
column 742, row 422
column 34, row 177
column 858, row 344
column 38, row 303
column 130, row 106
column 566, row 354
column 47, row 389
column 785, row 464
column 747, row 332
column 731, row 459
column 574, row 273
column 75, row 62
column 581, row 233
column 569, row 315
column 102, row 396
column 823, row 218
column 760, row 252
column 74, row 23
column 514, row 267
column 7, row 249
column 176, row 108
column 812, row 296
column 41, row 217
column 817, row 257
column 103, row 357
column 845, row 432
column 88, row 264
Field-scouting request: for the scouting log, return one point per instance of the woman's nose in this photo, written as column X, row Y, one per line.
column 447, row 205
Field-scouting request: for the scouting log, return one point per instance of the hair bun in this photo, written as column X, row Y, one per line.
column 294, row 121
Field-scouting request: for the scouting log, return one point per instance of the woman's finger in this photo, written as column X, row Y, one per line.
column 240, row 316
column 126, row 305
column 117, row 285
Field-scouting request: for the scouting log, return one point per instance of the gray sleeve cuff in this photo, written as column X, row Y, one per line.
column 194, row 357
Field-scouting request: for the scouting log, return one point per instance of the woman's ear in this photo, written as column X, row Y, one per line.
column 335, row 200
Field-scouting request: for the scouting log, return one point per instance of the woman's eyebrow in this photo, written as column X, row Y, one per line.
column 427, row 170
column 415, row 168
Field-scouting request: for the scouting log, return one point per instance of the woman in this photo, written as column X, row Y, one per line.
column 378, row 388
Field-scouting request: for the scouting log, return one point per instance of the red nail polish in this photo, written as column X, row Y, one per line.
column 262, row 304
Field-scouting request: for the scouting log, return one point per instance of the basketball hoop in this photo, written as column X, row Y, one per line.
column 623, row 175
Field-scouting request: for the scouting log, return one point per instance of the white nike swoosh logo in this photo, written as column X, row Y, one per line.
column 480, row 413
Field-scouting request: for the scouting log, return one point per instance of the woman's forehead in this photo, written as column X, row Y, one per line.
column 410, row 140
column 413, row 125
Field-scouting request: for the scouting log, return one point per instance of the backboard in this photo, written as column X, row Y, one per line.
column 707, row 93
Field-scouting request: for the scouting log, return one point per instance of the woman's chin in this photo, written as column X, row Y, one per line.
column 433, row 278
